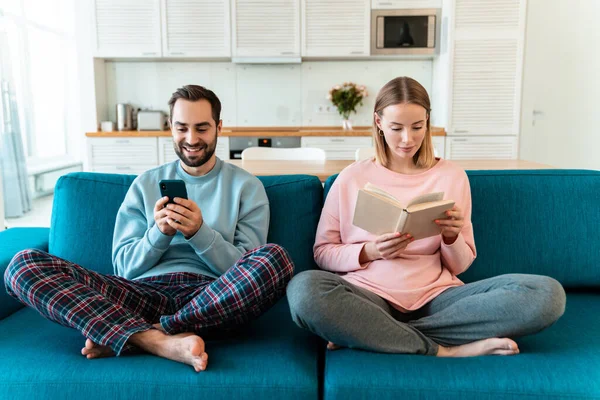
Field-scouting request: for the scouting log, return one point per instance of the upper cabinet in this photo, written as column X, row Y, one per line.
column 127, row 28
column 162, row 28
column 196, row 28
column 268, row 30
column 335, row 28
column 487, row 67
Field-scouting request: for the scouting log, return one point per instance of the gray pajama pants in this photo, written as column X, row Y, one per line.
column 509, row 305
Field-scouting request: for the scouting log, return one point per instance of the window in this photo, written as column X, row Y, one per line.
column 43, row 59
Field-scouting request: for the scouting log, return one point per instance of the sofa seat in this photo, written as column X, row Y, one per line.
column 41, row 359
column 561, row 362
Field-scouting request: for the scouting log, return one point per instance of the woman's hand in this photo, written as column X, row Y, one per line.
column 388, row 247
column 452, row 225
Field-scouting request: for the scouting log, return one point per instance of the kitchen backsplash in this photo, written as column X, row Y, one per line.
column 257, row 94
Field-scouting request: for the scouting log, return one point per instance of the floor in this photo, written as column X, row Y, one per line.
column 38, row 216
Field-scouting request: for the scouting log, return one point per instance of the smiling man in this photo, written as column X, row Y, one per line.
column 197, row 267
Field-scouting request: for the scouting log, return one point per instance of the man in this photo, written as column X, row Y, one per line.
column 184, row 270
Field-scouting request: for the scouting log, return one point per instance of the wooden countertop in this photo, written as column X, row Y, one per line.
column 264, row 131
column 324, row 169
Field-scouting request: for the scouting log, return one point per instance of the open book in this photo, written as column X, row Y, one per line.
column 379, row 212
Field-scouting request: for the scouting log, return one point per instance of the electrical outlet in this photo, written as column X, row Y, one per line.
column 325, row 109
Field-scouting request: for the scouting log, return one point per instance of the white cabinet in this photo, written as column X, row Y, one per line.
column 127, row 28
column 439, row 145
column 166, row 153
column 196, row 28
column 336, row 28
column 122, row 155
column 481, row 148
column 487, row 60
column 393, row 4
column 337, row 148
column 266, row 30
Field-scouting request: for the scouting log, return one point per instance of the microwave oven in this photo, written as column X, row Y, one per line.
column 411, row 31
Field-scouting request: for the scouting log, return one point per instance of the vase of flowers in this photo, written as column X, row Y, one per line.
column 346, row 97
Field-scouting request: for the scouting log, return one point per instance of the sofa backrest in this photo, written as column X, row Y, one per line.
column 544, row 222
column 86, row 204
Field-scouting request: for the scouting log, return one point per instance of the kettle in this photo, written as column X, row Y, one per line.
column 124, row 117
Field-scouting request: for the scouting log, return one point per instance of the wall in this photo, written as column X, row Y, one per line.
column 254, row 94
column 561, row 84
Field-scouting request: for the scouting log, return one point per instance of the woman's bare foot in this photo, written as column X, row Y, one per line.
column 498, row 346
column 185, row 348
column 93, row 350
column 332, row 346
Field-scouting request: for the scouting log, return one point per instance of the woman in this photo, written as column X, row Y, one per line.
column 394, row 294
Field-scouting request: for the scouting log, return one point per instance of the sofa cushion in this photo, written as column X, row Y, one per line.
column 273, row 359
column 544, row 222
column 560, row 362
column 86, row 204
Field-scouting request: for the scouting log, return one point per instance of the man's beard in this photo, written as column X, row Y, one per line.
column 195, row 161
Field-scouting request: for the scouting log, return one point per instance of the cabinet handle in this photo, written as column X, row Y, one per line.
column 285, row 53
column 336, row 140
column 459, row 140
column 123, row 168
column 177, row 53
column 460, row 131
column 357, row 52
column 149, row 53
column 122, row 141
column 385, row 3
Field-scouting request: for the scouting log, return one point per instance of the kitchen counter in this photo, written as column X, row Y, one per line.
column 264, row 131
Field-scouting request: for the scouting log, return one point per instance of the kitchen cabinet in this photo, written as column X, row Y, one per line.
column 133, row 155
column 487, row 58
column 127, row 28
column 397, row 4
column 439, row 144
column 122, row 155
column 196, row 28
column 166, row 153
column 337, row 148
column 480, row 73
column 482, row 148
column 339, row 28
column 266, row 30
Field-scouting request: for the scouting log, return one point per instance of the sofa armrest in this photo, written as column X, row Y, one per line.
column 12, row 241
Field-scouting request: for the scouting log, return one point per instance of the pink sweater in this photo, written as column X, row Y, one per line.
column 427, row 267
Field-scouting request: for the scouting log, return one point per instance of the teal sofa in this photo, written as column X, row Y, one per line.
column 539, row 222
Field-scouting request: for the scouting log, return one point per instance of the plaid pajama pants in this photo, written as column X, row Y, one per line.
column 109, row 309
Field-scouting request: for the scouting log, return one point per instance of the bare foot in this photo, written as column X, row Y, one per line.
column 93, row 350
column 332, row 346
column 185, row 348
column 498, row 346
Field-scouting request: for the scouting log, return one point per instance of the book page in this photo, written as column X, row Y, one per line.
column 369, row 187
column 375, row 214
column 426, row 198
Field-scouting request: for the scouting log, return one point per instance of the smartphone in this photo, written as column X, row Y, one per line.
column 172, row 188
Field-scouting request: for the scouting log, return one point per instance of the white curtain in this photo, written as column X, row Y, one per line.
column 17, row 196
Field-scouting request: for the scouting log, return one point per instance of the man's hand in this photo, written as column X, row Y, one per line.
column 160, row 217
column 184, row 216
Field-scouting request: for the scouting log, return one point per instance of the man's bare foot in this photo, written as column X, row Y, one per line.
column 185, row 348
column 332, row 346
column 498, row 346
column 93, row 350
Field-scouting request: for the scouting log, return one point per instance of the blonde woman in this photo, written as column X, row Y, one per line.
column 394, row 294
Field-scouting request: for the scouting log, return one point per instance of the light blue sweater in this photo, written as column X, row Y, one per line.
column 235, row 210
